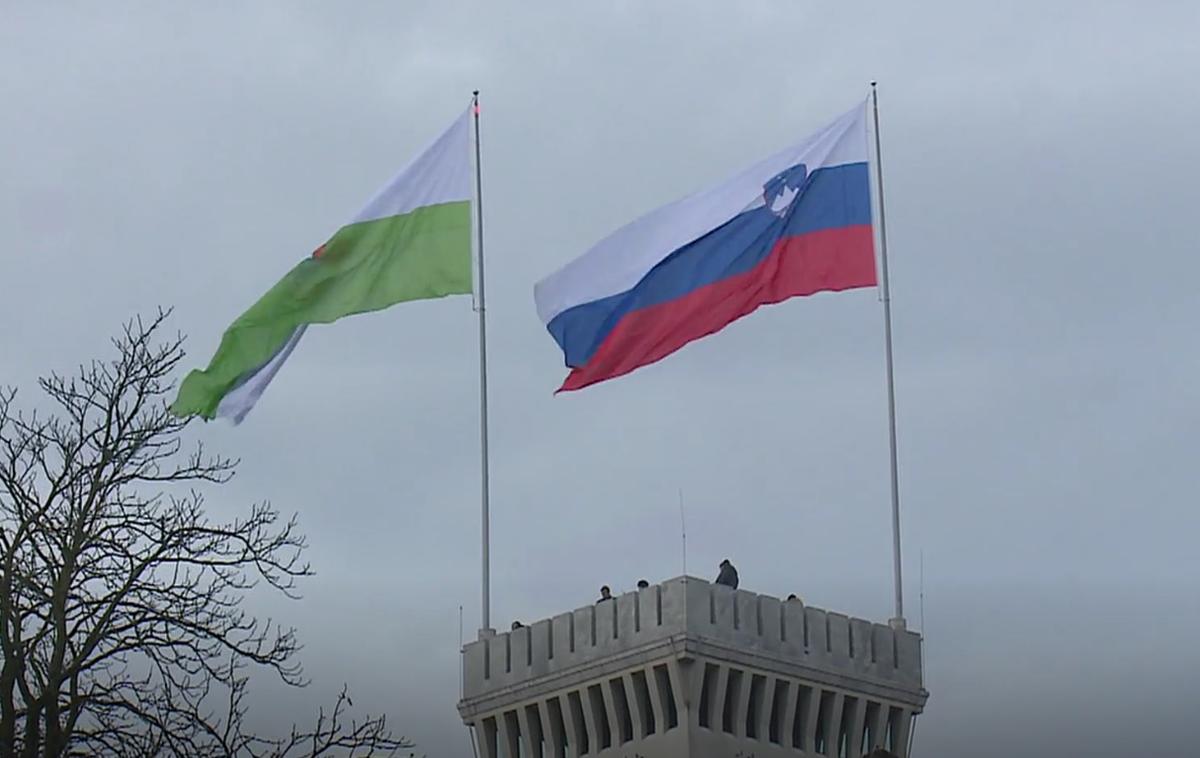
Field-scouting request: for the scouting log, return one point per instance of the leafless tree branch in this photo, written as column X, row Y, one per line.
column 122, row 627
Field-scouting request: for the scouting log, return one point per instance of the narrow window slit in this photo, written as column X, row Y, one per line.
column 641, row 697
column 733, row 686
column 663, row 678
column 824, row 715
column 490, row 737
column 706, row 693
column 893, row 729
column 845, row 739
column 535, row 740
column 871, row 737
column 600, row 716
column 558, row 728
column 800, row 719
column 758, row 686
column 575, row 706
column 514, row 733
column 621, row 705
column 775, row 728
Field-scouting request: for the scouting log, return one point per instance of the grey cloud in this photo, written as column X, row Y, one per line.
column 1041, row 163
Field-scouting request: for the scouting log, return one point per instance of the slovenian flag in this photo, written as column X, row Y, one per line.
column 412, row 241
column 796, row 223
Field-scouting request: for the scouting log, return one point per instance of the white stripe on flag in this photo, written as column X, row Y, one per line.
column 621, row 260
column 239, row 400
column 441, row 173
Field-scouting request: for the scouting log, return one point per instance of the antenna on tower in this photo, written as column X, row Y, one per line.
column 924, row 649
column 922, row 593
column 683, row 531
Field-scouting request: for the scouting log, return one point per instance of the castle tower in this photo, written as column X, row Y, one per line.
column 688, row 669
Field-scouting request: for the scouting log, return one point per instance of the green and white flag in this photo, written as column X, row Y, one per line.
column 411, row 242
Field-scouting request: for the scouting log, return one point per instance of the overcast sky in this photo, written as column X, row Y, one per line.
column 1041, row 181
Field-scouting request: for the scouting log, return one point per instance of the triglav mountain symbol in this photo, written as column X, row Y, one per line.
column 781, row 189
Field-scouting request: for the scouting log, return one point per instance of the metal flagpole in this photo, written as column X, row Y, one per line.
column 485, row 626
column 898, row 621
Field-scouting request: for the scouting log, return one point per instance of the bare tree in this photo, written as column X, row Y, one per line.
column 122, row 626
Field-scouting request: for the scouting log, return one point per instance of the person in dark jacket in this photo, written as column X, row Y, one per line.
column 728, row 575
column 605, row 594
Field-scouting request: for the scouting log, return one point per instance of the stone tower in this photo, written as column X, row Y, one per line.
column 688, row 668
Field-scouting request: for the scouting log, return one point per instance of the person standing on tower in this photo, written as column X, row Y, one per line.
column 728, row 575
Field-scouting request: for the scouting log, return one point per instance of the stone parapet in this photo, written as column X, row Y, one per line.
column 688, row 613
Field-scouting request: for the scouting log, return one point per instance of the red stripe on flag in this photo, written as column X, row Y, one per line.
column 827, row 260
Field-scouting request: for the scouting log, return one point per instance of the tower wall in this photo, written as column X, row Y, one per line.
column 690, row 668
